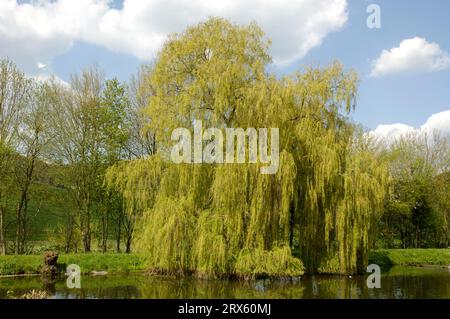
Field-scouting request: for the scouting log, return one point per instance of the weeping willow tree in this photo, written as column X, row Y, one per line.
column 229, row 219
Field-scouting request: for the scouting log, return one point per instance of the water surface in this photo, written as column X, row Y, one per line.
column 398, row 283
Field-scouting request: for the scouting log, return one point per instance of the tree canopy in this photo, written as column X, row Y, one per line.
column 229, row 219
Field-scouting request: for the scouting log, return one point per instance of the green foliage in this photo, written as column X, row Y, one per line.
column 418, row 211
column 114, row 123
column 410, row 257
column 328, row 193
column 211, row 261
column 205, row 71
column 169, row 235
column 330, row 265
column 277, row 262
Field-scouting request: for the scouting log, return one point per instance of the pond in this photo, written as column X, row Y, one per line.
column 398, row 283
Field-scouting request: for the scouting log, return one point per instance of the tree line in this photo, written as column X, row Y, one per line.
column 417, row 211
column 66, row 136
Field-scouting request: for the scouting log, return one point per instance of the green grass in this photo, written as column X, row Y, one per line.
column 115, row 263
column 410, row 257
column 15, row 265
column 44, row 216
column 110, row 262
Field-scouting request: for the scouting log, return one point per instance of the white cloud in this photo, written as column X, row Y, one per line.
column 44, row 77
column 439, row 122
column 412, row 55
column 392, row 132
column 34, row 33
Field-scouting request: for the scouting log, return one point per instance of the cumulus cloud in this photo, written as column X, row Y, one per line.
column 412, row 55
column 36, row 32
column 392, row 131
column 437, row 123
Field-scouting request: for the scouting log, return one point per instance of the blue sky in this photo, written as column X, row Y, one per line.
column 408, row 91
column 409, row 98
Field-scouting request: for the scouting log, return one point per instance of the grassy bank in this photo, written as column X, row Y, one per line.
column 273, row 264
column 110, row 262
column 128, row 263
column 410, row 257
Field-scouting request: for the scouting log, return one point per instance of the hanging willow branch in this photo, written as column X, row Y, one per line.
column 228, row 219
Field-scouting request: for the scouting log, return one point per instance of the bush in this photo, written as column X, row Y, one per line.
column 259, row 263
column 330, row 265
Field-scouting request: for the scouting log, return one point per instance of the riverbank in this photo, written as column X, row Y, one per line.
column 110, row 262
column 275, row 264
column 114, row 263
column 410, row 257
